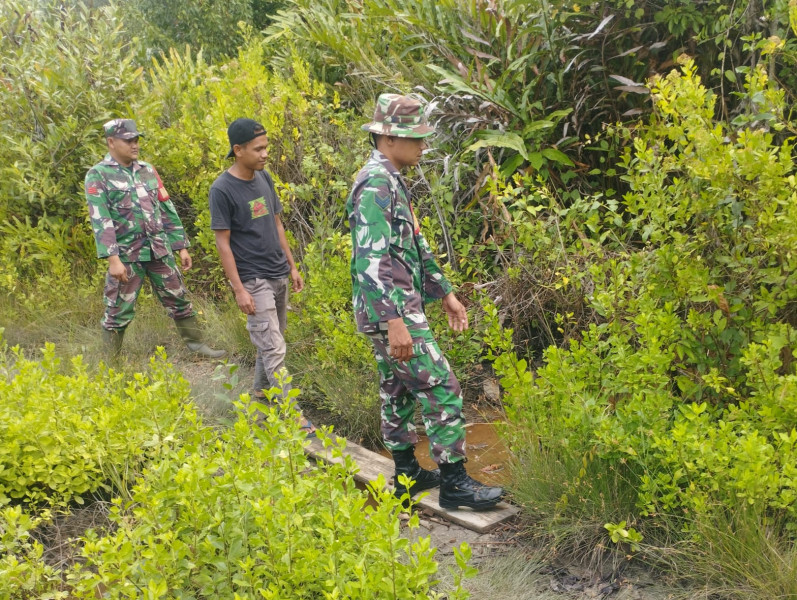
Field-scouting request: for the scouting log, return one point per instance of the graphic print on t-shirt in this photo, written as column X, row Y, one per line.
column 259, row 207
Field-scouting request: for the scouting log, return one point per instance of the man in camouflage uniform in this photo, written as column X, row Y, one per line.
column 137, row 229
column 393, row 274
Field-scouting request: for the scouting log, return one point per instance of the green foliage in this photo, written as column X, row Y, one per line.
column 620, row 535
column 745, row 555
column 237, row 513
column 684, row 381
column 217, row 27
column 504, row 57
column 247, row 515
column 335, row 364
column 67, row 433
column 44, row 253
column 210, row 24
column 23, row 573
column 56, row 90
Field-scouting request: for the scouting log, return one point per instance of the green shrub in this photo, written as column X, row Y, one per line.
column 333, row 363
column 213, row 24
column 48, row 255
column 682, row 386
column 247, row 515
column 23, row 573
column 65, row 71
column 67, row 433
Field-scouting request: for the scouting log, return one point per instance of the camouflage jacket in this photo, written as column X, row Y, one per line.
column 131, row 213
column 393, row 271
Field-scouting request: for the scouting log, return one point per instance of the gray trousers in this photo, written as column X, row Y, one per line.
column 267, row 329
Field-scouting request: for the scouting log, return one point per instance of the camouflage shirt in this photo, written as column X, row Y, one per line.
column 393, row 271
column 131, row 213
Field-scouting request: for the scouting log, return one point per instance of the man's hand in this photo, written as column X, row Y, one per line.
column 399, row 339
column 457, row 315
column 297, row 283
column 245, row 302
column 185, row 259
column 117, row 269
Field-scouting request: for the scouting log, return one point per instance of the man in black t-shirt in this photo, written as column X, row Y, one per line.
column 245, row 218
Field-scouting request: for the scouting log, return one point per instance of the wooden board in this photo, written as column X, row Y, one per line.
column 371, row 465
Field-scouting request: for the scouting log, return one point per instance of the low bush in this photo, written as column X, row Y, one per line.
column 67, row 433
column 23, row 572
column 333, row 363
column 681, row 388
column 240, row 512
column 247, row 515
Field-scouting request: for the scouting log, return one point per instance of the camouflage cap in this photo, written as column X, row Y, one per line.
column 122, row 128
column 400, row 116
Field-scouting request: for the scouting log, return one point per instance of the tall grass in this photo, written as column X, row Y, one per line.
column 569, row 500
column 743, row 556
column 739, row 556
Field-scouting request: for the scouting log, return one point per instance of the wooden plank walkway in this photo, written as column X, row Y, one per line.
column 371, row 465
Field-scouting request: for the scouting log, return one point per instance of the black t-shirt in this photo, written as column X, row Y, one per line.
column 247, row 209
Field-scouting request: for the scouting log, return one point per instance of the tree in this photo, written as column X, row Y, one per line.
column 209, row 24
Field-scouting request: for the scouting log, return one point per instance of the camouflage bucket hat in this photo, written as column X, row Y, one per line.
column 121, row 128
column 400, row 116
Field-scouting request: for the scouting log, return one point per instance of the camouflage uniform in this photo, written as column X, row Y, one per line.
column 393, row 273
column 132, row 217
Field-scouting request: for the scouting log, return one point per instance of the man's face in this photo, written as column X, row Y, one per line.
column 407, row 152
column 123, row 151
column 253, row 155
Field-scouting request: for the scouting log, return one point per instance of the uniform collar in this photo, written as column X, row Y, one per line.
column 112, row 162
column 377, row 156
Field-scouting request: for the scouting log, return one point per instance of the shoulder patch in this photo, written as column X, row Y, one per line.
column 382, row 201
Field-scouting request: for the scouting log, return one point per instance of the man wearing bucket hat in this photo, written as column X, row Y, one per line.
column 137, row 229
column 254, row 251
column 393, row 274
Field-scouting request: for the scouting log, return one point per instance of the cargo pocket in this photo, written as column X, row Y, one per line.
column 261, row 335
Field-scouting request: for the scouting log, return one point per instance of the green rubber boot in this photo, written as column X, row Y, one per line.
column 112, row 342
column 192, row 336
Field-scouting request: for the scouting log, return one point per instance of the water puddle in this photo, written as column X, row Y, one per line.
column 486, row 452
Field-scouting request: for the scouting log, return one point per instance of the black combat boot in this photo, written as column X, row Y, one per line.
column 458, row 489
column 407, row 464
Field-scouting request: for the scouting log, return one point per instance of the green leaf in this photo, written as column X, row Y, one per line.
column 557, row 156
column 500, row 139
column 537, row 160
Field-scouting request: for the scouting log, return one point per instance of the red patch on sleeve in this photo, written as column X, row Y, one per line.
column 417, row 227
column 92, row 190
column 163, row 195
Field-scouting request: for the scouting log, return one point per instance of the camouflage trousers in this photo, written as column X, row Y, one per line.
column 426, row 378
column 167, row 282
